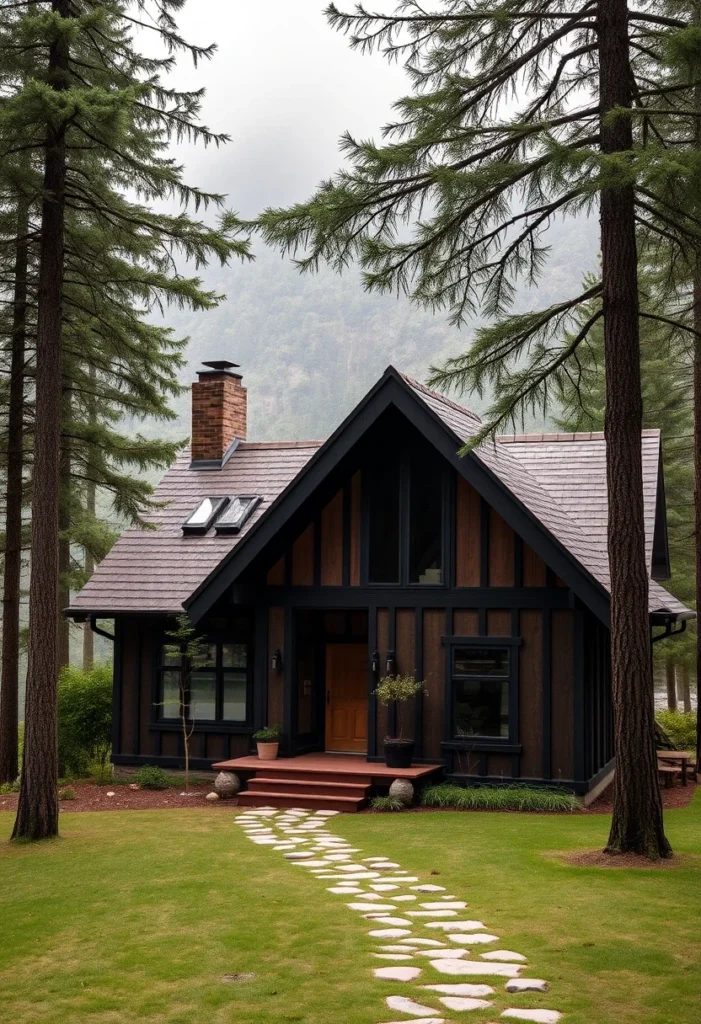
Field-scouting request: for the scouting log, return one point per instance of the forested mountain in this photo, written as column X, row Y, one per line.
column 311, row 345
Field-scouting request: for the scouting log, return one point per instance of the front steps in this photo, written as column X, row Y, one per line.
column 311, row 791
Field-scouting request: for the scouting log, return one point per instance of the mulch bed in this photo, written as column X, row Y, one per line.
column 91, row 797
column 599, row 859
column 678, row 796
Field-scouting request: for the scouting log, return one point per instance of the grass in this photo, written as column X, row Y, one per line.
column 499, row 798
column 137, row 916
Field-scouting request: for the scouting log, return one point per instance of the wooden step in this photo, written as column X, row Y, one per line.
column 277, row 785
column 308, row 801
column 293, row 775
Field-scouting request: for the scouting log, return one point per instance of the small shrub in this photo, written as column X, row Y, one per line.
column 680, row 726
column 269, row 734
column 386, row 803
column 499, row 798
column 66, row 794
column 101, row 773
column 10, row 787
column 84, row 718
column 151, row 776
column 397, row 690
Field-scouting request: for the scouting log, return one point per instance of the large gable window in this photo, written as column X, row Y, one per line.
column 482, row 675
column 425, row 519
column 217, row 688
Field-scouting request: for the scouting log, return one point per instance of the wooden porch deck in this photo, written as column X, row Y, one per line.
column 340, row 782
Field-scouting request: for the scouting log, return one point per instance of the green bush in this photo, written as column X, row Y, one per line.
column 499, row 798
column 386, row 803
column 9, row 787
column 680, row 726
column 66, row 794
column 151, row 776
column 84, row 719
column 101, row 773
column 268, row 734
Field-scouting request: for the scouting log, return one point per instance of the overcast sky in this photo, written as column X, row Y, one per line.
column 284, row 86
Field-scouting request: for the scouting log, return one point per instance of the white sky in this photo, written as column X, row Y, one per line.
column 284, row 86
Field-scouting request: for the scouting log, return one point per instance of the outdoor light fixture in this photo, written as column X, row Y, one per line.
column 390, row 666
column 276, row 661
column 375, row 662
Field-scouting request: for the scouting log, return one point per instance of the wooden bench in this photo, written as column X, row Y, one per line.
column 668, row 771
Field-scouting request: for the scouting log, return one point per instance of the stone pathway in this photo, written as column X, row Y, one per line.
column 421, row 931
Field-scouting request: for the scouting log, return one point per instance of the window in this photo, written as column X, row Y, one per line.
column 238, row 511
column 204, row 515
column 383, row 541
column 425, row 518
column 481, row 681
column 218, row 684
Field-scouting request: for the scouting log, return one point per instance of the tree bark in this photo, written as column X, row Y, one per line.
column 671, row 678
column 697, row 444
column 37, row 813
column 637, row 825
column 64, row 538
column 9, row 686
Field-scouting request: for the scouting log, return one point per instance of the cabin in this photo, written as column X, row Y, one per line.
column 314, row 568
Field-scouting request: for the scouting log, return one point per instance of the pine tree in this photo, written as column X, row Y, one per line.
column 452, row 209
column 103, row 119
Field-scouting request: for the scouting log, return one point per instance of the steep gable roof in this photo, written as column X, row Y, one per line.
column 162, row 571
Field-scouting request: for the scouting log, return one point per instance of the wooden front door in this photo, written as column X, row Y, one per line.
column 347, row 697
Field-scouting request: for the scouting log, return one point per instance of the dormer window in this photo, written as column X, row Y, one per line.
column 238, row 511
column 204, row 515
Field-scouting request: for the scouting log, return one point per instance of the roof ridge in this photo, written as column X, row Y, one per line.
column 439, row 397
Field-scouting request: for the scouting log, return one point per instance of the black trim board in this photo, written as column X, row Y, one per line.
column 393, row 390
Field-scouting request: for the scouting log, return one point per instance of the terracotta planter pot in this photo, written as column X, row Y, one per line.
column 267, row 751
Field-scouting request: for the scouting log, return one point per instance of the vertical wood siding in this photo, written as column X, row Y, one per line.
column 332, row 542
column 467, row 535
column 433, row 661
column 501, row 552
column 354, row 531
column 531, row 693
column 276, row 639
column 303, row 558
column 534, row 568
column 562, row 740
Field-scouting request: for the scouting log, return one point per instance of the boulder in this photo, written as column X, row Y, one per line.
column 227, row 784
column 402, row 790
column 213, row 796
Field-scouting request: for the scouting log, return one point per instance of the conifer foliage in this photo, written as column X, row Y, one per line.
column 522, row 111
column 92, row 117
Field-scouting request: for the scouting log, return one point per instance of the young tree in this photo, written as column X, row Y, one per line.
column 452, row 208
column 188, row 650
column 103, row 118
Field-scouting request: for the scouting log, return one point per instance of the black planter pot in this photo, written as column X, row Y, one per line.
column 399, row 753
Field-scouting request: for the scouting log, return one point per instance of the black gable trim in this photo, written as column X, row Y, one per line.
column 393, row 390
column 661, row 566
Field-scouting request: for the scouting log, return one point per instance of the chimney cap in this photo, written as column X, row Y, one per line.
column 217, row 366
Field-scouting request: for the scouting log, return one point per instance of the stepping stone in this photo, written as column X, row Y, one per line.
column 433, row 913
column 464, row 1003
column 345, row 890
column 422, row 1020
column 393, row 956
column 391, row 933
column 376, row 859
column 361, row 876
column 385, row 865
column 448, row 897
column 391, row 922
column 338, row 856
column 503, row 954
column 265, row 842
column 462, row 990
column 539, row 1016
column 372, row 897
column 299, row 855
column 527, row 985
column 284, row 846
column 384, row 887
column 405, row 1005
column 446, row 954
column 379, row 908
column 478, row 939
column 429, row 888
column 422, row 942
column 350, row 867
column 401, row 899
column 458, row 926
column 397, row 974
column 476, row 967
column 393, row 949
column 325, row 814
column 458, row 905
column 409, row 878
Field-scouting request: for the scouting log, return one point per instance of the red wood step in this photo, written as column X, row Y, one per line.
column 277, row 785
column 308, row 801
column 293, row 775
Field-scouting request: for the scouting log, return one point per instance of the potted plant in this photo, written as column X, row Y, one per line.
column 267, row 742
column 397, row 690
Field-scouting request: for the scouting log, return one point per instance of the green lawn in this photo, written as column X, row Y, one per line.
column 136, row 916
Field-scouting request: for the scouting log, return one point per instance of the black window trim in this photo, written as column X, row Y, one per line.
column 222, row 528
column 447, row 501
column 512, row 643
column 220, row 502
column 217, row 724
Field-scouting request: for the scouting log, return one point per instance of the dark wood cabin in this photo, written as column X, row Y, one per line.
column 379, row 551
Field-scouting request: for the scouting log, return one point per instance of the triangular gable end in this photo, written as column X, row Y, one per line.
column 393, row 390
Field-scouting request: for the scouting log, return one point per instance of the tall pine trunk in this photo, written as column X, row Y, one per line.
column 637, row 825
column 64, row 539
column 671, row 680
column 37, row 813
column 697, row 477
column 9, row 686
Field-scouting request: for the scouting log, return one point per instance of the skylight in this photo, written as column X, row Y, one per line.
column 239, row 510
column 204, row 515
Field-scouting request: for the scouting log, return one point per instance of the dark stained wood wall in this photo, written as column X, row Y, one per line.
column 276, row 640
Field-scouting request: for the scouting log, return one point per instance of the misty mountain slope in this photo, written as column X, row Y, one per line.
column 310, row 346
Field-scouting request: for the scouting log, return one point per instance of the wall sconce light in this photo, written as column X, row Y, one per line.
column 276, row 660
column 375, row 663
column 391, row 664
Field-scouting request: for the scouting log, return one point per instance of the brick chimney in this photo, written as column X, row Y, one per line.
column 219, row 417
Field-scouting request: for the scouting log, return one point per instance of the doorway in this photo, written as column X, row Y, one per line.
column 347, row 697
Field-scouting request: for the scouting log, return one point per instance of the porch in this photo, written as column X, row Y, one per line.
column 338, row 782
